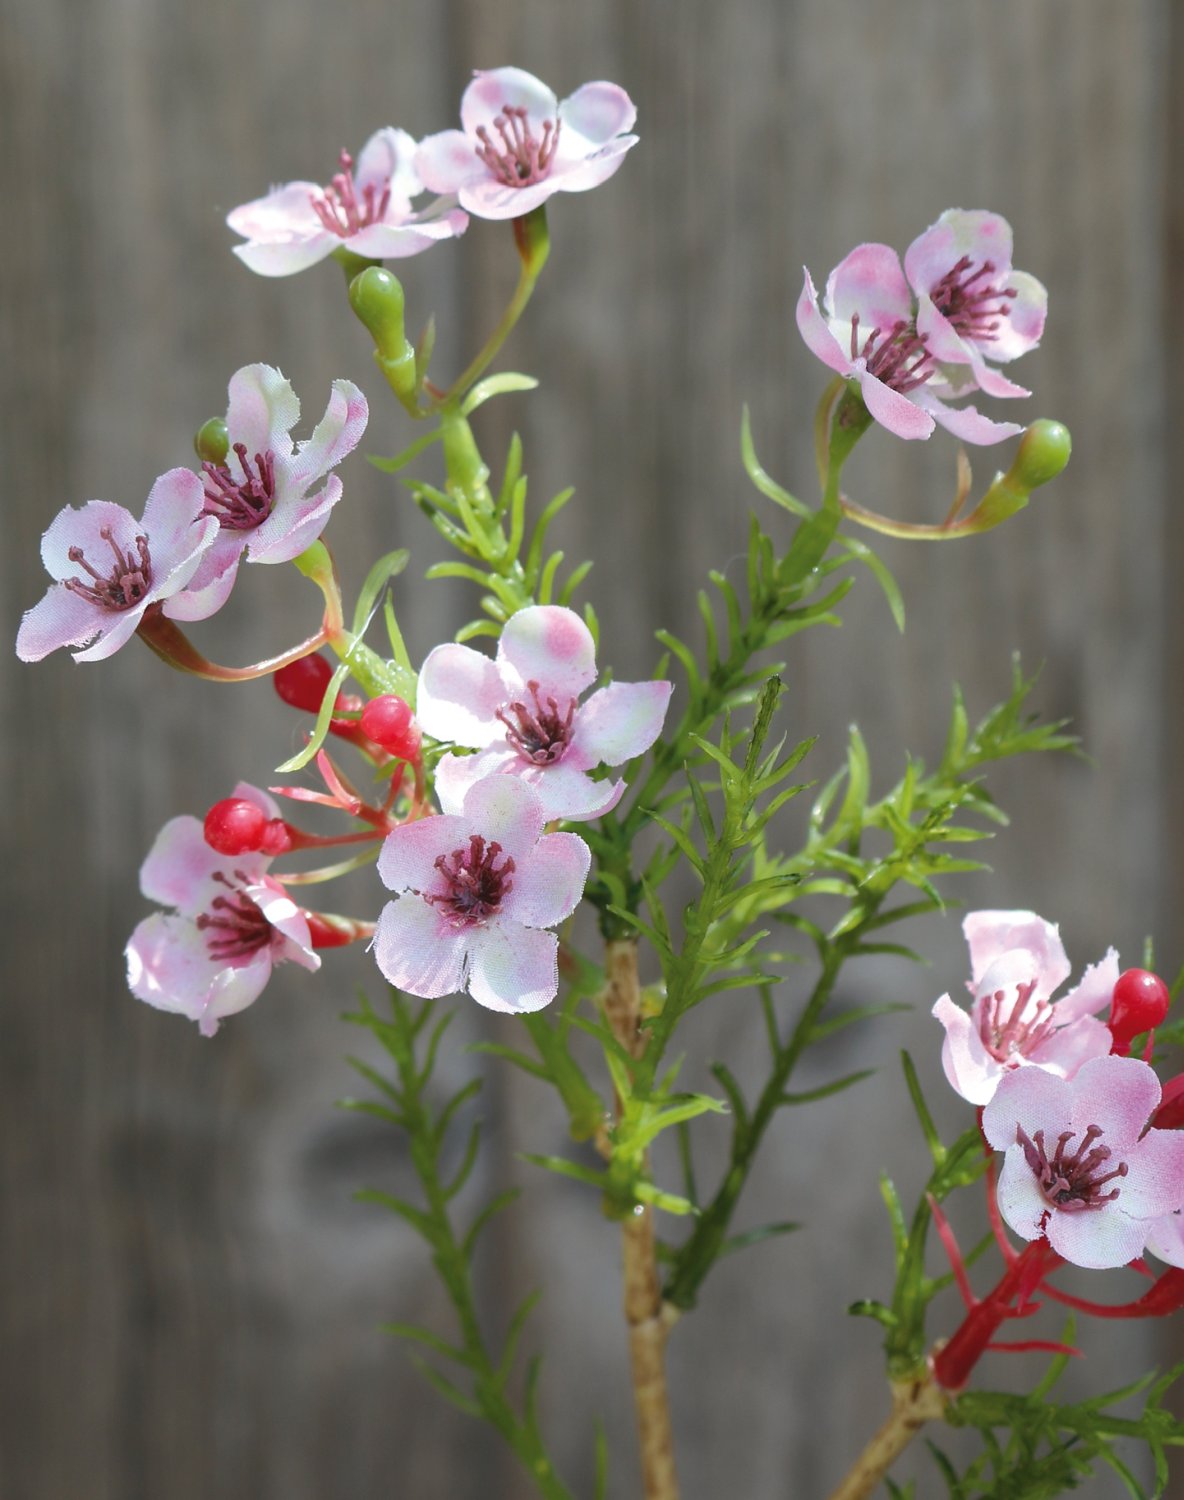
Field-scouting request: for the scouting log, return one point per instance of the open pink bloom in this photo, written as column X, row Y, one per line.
column 1016, row 963
column 519, row 144
column 866, row 332
column 366, row 209
column 971, row 306
column 1081, row 1168
column 473, row 892
column 522, row 714
column 268, row 497
column 110, row 568
column 232, row 924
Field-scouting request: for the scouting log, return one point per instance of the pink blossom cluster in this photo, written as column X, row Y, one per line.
column 1088, row 1166
column 476, row 888
column 912, row 337
column 518, row 144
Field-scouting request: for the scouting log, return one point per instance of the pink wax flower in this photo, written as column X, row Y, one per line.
column 522, row 714
column 866, row 332
column 366, row 209
column 1082, row 1169
column 971, row 306
column 473, row 893
column 232, row 923
column 519, row 144
column 1017, row 961
column 267, row 497
column 110, row 568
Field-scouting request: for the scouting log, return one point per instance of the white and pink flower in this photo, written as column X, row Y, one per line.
column 267, row 497
column 1017, row 961
column 521, row 713
column 366, row 209
column 866, row 332
column 109, row 568
column 232, row 923
column 971, row 306
column 1081, row 1167
column 474, row 893
column 519, row 143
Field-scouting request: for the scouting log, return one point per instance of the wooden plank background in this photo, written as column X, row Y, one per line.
column 191, row 1295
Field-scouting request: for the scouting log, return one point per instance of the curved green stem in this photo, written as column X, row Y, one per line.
column 534, row 245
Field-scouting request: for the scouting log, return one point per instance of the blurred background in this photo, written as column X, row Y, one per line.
column 192, row 1297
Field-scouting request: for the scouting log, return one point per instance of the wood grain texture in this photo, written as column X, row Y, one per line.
column 191, row 1296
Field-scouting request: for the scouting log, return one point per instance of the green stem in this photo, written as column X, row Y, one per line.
column 534, row 245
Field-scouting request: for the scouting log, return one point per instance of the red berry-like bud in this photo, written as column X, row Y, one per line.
column 302, row 684
column 388, row 721
column 1139, row 1003
column 235, row 826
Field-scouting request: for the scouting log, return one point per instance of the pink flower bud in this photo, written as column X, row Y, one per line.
column 1139, row 1004
column 388, row 721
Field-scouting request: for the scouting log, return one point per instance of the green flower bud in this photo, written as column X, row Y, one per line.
column 1043, row 453
column 377, row 299
column 212, row 442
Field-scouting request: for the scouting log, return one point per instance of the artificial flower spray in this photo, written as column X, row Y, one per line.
column 538, row 835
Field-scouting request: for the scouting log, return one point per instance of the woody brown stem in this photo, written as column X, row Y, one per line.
column 647, row 1317
column 914, row 1402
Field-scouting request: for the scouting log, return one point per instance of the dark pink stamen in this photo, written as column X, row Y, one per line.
column 237, row 928
column 541, row 735
column 475, row 883
column 524, row 159
column 901, row 360
column 339, row 208
column 969, row 307
column 1028, row 1023
column 124, row 585
column 241, row 504
column 1071, row 1180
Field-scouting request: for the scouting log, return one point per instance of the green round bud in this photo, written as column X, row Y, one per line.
column 1043, row 453
column 377, row 299
column 212, row 441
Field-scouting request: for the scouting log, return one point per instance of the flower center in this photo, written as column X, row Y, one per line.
column 965, row 299
column 1071, row 1180
column 475, row 882
column 340, row 209
column 1028, row 1023
column 522, row 158
column 241, row 504
column 126, row 583
column 236, row 928
column 540, row 734
column 900, row 360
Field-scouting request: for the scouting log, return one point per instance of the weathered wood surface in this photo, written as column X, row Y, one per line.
column 191, row 1296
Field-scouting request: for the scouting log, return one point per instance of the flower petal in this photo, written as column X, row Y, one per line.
column 1098, row 1239
column 618, row 722
column 1154, row 1184
column 992, row 933
column 505, row 810
column 548, row 883
column 492, row 90
column 407, row 861
column 1118, row 1094
column 970, row 1068
column 899, row 414
column 293, row 525
column 598, row 111
column 261, row 410
column 975, row 233
column 337, row 433
column 459, row 694
column 414, row 235
column 169, row 967
column 388, row 160
column 816, row 332
column 965, row 422
column 445, row 162
column 1094, row 991
column 1029, row 1098
column 870, row 284
column 552, row 646
column 286, row 258
column 513, row 968
column 1022, row 1204
column 61, row 618
column 418, row 950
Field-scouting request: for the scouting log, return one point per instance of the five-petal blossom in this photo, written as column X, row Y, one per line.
column 267, row 497
column 519, row 144
column 1081, row 1167
column 1017, row 961
column 366, row 209
column 522, row 714
column 971, row 305
column 109, row 569
column 867, row 333
column 232, row 923
column 473, row 893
